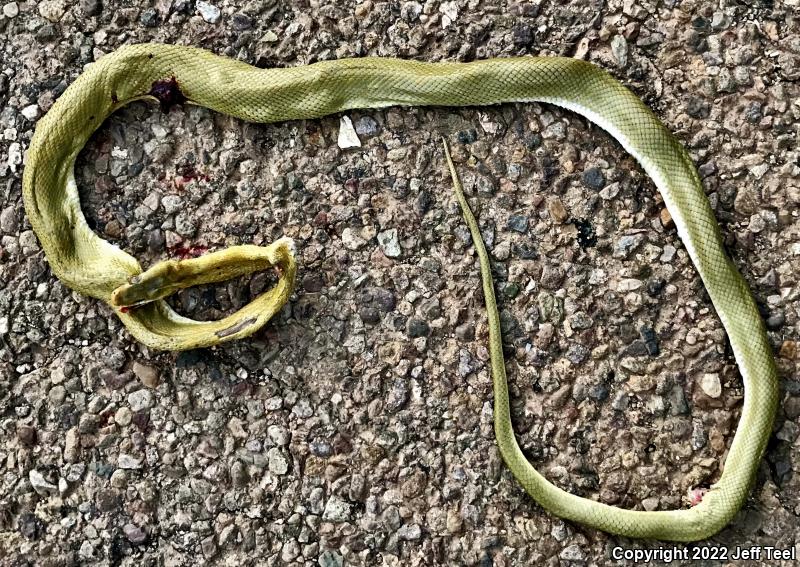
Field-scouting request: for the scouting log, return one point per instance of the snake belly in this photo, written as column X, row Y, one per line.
column 86, row 263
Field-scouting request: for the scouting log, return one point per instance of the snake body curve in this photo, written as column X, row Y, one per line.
column 87, row 263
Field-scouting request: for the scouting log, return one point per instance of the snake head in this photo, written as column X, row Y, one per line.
column 156, row 283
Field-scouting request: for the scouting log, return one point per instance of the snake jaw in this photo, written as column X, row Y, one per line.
column 121, row 297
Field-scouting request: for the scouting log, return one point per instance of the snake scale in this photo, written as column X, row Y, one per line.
column 90, row 265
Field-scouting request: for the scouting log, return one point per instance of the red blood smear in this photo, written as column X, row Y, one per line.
column 187, row 174
column 185, row 252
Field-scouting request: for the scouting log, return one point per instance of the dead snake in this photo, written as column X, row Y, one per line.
column 87, row 263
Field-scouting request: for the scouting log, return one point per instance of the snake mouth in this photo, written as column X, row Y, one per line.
column 120, row 298
column 144, row 288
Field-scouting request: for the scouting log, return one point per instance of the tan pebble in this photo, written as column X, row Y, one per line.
column 454, row 522
column 557, row 211
column 650, row 504
column 716, row 440
column 147, row 374
column 788, row 350
column 666, row 218
column 72, row 446
column 123, row 416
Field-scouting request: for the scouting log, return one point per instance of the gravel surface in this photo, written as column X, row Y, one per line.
column 356, row 429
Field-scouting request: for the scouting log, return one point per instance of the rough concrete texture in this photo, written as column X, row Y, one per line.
column 356, row 429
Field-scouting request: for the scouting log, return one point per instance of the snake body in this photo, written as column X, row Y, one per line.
column 87, row 263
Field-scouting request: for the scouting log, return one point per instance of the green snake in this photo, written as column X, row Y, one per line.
column 90, row 265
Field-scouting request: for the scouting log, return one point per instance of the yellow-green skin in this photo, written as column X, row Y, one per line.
column 88, row 264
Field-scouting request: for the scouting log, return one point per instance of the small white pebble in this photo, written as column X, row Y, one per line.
column 11, row 10
column 711, row 385
column 159, row 131
column 40, row 484
column 31, row 112
column 449, row 11
column 390, row 243
column 209, row 12
column 14, row 156
column 347, row 134
column 125, row 461
column 668, row 254
column 52, row 10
